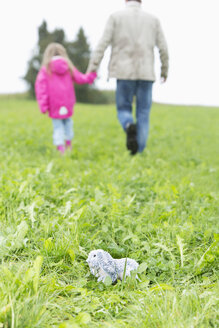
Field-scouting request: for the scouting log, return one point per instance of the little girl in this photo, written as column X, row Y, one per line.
column 55, row 92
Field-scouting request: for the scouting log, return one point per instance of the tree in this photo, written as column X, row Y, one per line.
column 79, row 53
column 44, row 38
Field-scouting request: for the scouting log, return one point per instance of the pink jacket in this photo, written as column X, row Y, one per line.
column 55, row 91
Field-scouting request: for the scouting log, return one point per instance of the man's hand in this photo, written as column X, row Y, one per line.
column 163, row 79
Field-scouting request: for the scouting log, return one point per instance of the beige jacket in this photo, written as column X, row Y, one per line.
column 132, row 35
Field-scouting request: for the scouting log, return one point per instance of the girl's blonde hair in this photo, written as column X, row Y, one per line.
column 55, row 49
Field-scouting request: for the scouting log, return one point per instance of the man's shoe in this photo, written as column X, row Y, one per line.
column 131, row 140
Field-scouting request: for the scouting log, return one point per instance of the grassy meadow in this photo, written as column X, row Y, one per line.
column 160, row 208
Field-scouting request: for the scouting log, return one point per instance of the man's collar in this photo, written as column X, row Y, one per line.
column 133, row 4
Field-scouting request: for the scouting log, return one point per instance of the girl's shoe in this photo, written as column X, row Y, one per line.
column 68, row 144
column 61, row 149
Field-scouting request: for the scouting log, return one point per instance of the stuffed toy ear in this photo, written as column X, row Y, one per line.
column 100, row 257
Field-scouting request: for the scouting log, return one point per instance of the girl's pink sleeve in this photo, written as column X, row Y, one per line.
column 41, row 90
column 81, row 78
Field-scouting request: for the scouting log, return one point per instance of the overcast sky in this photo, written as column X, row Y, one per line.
column 191, row 28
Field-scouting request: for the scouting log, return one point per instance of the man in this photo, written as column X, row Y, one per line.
column 133, row 35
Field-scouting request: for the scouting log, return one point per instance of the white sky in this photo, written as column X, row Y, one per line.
column 191, row 28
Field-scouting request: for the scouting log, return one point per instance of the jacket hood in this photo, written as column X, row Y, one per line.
column 59, row 65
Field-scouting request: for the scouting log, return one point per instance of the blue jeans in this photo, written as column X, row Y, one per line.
column 125, row 92
column 62, row 130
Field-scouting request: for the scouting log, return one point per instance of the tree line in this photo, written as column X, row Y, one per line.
column 78, row 51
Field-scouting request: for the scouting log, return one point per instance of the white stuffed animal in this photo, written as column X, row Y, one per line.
column 102, row 265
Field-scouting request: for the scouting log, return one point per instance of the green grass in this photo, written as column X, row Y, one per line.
column 160, row 208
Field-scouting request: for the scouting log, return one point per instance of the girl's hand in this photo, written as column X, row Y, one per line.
column 93, row 76
column 81, row 78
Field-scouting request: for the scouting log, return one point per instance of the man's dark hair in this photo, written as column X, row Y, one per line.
column 135, row 0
